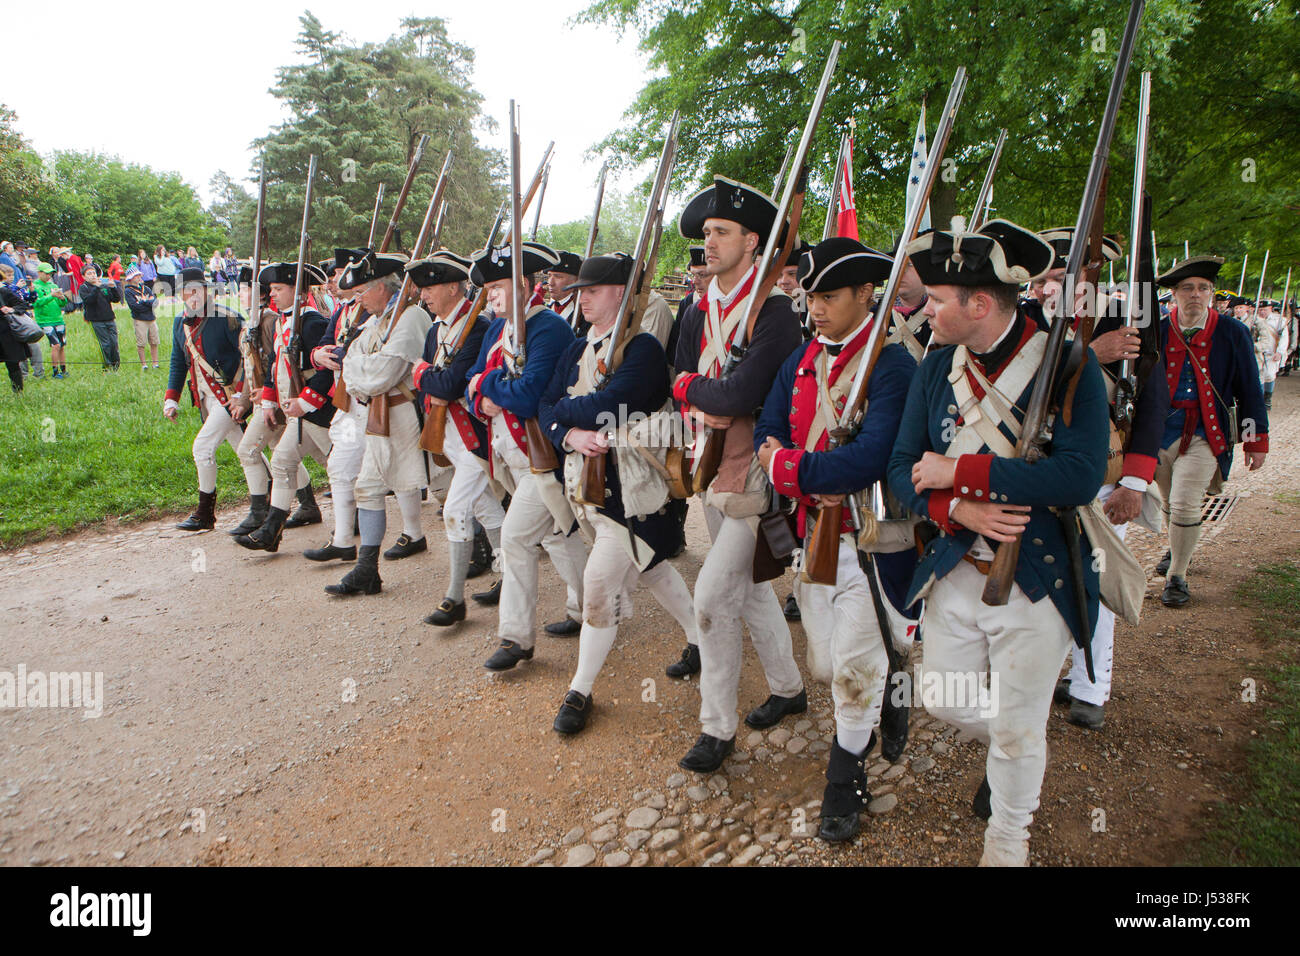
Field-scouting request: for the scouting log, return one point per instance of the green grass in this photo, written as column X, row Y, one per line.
column 1264, row 828
column 96, row 445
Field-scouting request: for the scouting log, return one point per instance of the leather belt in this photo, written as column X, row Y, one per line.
column 397, row 398
column 983, row 567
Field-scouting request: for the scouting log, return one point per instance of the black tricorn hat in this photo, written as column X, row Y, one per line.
column 246, row 275
column 345, row 257
column 1060, row 239
column 840, row 261
column 1197, row 267
column 286, row 273
column 697, row 255
column 326, row 266
column 570, row 264
column 728, row 199
column 998, row 253
column 439, row 268
column 369, row 266
column 493, row 263
column 613, row 269
column 1237, row 300
column 190, row 274
column 801, row 249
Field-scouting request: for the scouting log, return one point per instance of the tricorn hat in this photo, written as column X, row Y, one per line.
column 614, row 269
column 439, row 268
column 1197, row 267
column 697, row 255
column 370, row 265
column 728, row 199
column 1059, row 239
column 286, row 273
column 570, row 264
column 345, row 257
column 998, row 253
column 840, row 261
column 493, row 263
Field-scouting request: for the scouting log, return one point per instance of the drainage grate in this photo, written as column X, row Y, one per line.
column 1217, row 507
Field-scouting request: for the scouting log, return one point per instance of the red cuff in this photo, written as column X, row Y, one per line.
column 1260, row 444
column 1139, row 466
column 417, row 372
column 312, row 357
column 268, row 393
column 173, row 394
column 785, row 471
column 314, row 399
column 682, row 383
column 971, row 477
column 937, row 505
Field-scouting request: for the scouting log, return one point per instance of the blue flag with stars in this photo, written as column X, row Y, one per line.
column 920, row 152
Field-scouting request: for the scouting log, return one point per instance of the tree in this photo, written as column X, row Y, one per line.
column 361, row 110
column 742, row 76
column 21, row 187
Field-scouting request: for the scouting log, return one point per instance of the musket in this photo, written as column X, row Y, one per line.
column 374, row 216
column 1254, row 313
column 434, row 434
column 821, row 553
column 592, row 231
column 342, row 400
column 837, row 185
column 377, row 420
column 632, row 304
column 434, row 243
column 1241, row 284
column 1126, row 387
column 709, row 442
column 1037, row 427
column 254, row 359
column 537, row 213
column 785, row 165
column 294, row 359
column 980, row 212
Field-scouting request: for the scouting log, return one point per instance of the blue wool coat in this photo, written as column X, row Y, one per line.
column 449, row 383
column 548, row 336
column 1069, row 475
column 218, row 340
column 858, row 464
column 640, row 384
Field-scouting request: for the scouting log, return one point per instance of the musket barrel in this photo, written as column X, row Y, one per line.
column 374, row 217
column 982, row 200
column 594, row 230
column 837, row 186
column 1139, row 188
column 406, row 190
column 1260, row 292
column 516, row 245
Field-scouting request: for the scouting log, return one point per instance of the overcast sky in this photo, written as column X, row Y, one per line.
column 141, row 80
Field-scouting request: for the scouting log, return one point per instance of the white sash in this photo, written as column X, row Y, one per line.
column 982, row 418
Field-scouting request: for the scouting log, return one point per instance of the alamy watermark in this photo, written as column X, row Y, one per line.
column 80, row 689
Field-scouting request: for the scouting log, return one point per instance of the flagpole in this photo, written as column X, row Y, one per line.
column 833, row 209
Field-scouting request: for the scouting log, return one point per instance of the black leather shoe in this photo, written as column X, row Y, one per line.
column 574, row 713
column 1163, row 567
column 491, row 597
column 258, row 506
column 267, row 537
column 982, row 804
column 307, row 512
column 1084, row 714
column 204, row 517
column 404, row 547
column 1175, row 593
column 447, row 613
column 688, row 664
column 791, row 609
column 893, row 729
column 1061, row 696
column 566, row 628
column 707, row 754
column 507, row 656
column 770, row 712
column 330, row 552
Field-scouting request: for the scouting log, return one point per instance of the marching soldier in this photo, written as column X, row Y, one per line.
column 788, row 281
column 377, row 368
column 910, row 328
column 258, row 437
column 1122, row 499
column 1272, row 344
column 574, row 415
column 1212, row 375
column 309, row 412
column 563, row 298
column 733, row 220
column 205, row 349
column 347, row 428
column 954, row 463
column 677, row 507
column 449, row 353
column 505, row 397
column 846, row 647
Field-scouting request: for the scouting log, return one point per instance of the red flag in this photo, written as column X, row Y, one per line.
column 846, row 210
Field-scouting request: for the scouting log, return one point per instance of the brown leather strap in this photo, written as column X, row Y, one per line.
column 397, row 398
column 983, row 567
